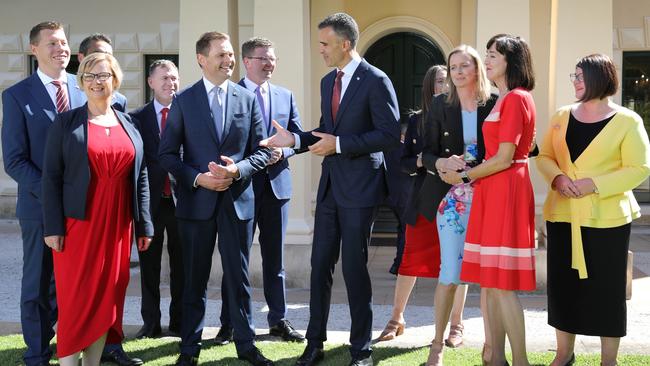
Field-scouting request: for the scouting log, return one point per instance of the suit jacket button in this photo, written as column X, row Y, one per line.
column 445, row 133
column 446, row 150
column 415, row 141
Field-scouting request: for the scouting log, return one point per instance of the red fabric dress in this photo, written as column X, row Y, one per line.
column 500, row 242
column 92, row 271
column 421, row 257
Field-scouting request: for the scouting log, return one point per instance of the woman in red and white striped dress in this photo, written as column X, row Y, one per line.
column 499, row 246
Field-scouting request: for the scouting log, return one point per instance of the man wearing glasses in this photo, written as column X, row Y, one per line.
column 28, row 109
column 272, row 188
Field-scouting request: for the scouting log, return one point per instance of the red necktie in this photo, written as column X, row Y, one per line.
column 336, row 95
column 167, row 189
column 61, row 98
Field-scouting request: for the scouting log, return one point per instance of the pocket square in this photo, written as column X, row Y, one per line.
column 29, row 109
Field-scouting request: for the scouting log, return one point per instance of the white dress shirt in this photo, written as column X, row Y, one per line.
column 348, row 71
column 51, row 88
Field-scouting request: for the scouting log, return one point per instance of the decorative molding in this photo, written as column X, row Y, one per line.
column 132, row 79
column 395, row 24
column 25, row 39
column 169, row 37
column 133, row 97
column 10, row 43
column 8, row 79
column 631, row 38
column 16, row 62
column 129, row 61
column 125, row 42
column 646, row 23
column 615, row 41
column 149, row 42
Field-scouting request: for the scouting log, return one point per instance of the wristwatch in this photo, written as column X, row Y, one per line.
column 464, row 177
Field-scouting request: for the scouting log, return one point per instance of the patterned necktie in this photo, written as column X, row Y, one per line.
column 260, row 101
column 167, row 188
column 336, row 95
column 62, row 104
column 217, row 112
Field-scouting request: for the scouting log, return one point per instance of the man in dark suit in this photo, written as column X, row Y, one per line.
column 272, row 188
column 28, row 109
column 99, row 42
column 218, row 126
column 152, row 118
column 359, row 120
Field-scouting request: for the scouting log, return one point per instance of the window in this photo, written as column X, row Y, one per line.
column 636, row 96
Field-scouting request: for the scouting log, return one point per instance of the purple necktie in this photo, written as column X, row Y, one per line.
column 260, row 100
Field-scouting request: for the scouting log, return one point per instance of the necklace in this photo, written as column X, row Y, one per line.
column 107, row 130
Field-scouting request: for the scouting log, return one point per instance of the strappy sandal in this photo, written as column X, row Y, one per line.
column 435, row 354
column 393, row 329
column 455, row 338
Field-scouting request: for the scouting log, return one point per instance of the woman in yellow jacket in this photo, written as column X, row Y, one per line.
column 594, row 153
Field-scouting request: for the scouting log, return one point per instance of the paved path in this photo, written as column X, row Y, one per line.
column 419, row 314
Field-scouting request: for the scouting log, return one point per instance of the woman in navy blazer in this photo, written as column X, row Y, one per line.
column 95, row 195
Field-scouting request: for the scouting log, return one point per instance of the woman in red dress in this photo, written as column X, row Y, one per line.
column 500, row 242
column 95, row 194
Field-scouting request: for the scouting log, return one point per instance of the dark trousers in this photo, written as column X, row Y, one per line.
column 235, row 238
column 271, row 216
column 345, row 230
column 150, row 266
column 401, row 234
column 38, row 310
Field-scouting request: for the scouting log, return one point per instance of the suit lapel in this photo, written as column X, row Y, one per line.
column 454, row 115
column 76, row 96
column 201, row 98
column 355, row 82
column 232, row 99
column 152, row 119
column 273, row 100
column 42, row 98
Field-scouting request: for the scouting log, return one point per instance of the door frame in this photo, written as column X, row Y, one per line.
column 403, row 23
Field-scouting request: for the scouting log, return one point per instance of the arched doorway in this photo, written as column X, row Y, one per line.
column 404, row 57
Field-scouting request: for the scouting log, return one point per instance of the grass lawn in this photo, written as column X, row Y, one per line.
column 164, row 352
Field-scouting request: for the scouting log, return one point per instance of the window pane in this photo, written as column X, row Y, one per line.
column 636, row 96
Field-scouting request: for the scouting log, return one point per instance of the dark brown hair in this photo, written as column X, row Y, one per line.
column 203, row 44
column 599, row 75
column 248, row 47
column 35, row 33
column 519, row 71
column 343, row 25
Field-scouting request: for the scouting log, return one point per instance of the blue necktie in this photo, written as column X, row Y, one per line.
column 217, row 112
column 260, row 101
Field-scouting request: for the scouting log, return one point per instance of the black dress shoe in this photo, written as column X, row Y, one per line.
column 311, row 356
column 149, row 331
column 361, row 361
column 285, row 330
column 187, row 360
column 174, row 328
column 255, row 357
column 224, row 336
column 120, row 357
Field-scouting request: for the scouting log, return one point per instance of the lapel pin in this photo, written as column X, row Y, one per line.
column 358, row 78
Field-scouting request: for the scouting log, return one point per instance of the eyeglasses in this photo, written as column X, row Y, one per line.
column 576, row 77
column 89, row 76
column 264, row 59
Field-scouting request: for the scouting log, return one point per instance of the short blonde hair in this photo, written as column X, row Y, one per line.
column 93, row 59
column 483, row 86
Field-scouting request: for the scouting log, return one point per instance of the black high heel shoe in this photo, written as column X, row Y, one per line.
column 571, row 361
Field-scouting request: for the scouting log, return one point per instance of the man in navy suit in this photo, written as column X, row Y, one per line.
column 28, row 109
column 152, row 118
column 272, row 188
column 211, row 146
column 99, row 42
column 359, row 120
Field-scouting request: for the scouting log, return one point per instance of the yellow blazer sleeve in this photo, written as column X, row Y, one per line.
column 635, row 162
column 546, row 161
